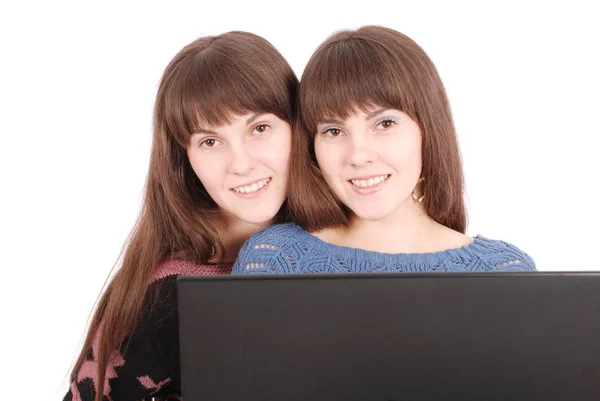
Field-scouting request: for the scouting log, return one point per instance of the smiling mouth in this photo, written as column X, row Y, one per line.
column 246, row 189
column 371, row 182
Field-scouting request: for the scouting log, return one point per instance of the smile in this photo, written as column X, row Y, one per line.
column 371, row 182
column 246, row 189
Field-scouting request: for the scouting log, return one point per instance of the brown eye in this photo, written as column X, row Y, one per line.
column 333, row 132
column 209, row 143
column 387, row 123
column 261, row 129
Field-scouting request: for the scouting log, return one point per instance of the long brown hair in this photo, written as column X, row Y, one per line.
column 374, row 66
column 210, row 80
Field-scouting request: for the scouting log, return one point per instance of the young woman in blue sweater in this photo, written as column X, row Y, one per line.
column 376, row 177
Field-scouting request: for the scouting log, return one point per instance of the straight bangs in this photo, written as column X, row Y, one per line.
column 350, row 75
column 370, row 68
column 229, row 76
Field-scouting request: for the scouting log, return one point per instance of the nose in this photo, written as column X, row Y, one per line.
column 242, row 161
column 361, row 152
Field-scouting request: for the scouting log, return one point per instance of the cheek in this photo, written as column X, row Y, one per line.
column 414, row 156
column 207, row 168
column 328, row 158
column 403, row 151
column 276, row 152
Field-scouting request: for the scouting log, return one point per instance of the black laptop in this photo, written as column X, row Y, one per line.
column 391, row 337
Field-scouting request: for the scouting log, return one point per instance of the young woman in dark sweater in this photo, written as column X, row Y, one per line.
column 218, row 173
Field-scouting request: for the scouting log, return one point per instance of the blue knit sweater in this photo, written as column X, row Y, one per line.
column 288, row 249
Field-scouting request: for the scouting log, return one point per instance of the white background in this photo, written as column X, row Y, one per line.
column 77, row 88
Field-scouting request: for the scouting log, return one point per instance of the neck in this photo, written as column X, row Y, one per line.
column 236, row 233
column 405, row 231
column 408, row 230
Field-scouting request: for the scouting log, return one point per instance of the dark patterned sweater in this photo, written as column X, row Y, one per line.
column 149, row 366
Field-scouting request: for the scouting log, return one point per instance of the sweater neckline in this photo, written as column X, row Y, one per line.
column 464, row 253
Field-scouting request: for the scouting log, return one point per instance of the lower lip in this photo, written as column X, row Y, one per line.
column 255, row 194
column 369, row 190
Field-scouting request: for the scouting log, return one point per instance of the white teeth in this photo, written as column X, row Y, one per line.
column 370, row 182
column 252, row 188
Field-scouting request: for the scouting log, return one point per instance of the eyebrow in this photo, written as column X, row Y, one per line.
column 375, row 113
column 367, row 117
column 331, row 121
column 209, row 132
column 204, row 131
column 254, row 117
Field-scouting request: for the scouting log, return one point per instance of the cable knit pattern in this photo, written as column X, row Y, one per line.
column 288, row 249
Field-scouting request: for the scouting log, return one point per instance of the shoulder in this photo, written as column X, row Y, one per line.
column 262, row 252
column 274, row 237
column 181, row 267
column 283, row 232
column 502, row 255
column 160, row 302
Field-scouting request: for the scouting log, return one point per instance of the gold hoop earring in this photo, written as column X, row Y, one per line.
column 415, row 199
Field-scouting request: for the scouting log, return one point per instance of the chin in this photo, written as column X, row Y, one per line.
column 258, row 216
